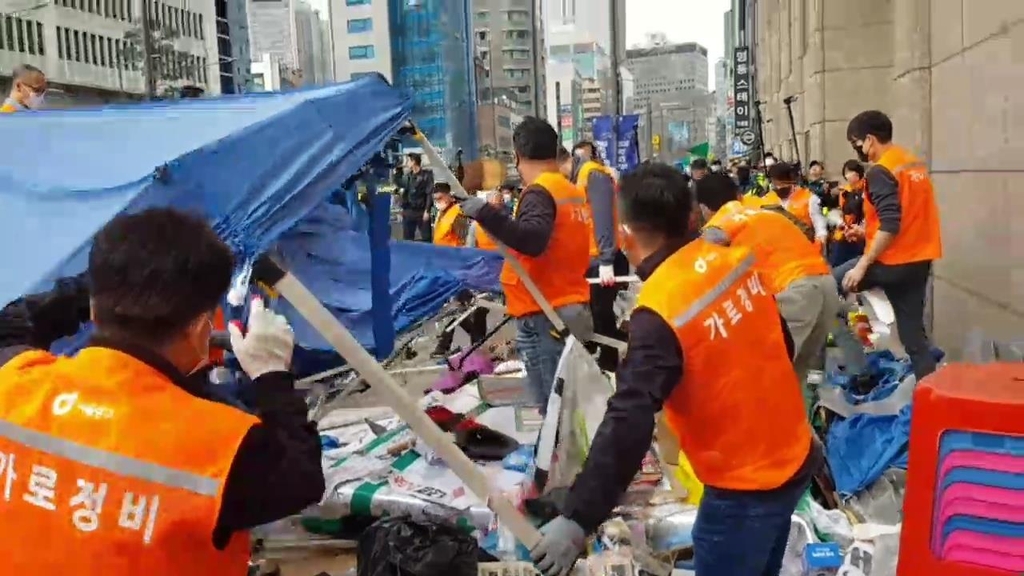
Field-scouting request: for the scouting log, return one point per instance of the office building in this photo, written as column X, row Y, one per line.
column 595, row 29
column 433, row 61
column 234, row 59
column 497, row 120
column 565, row 102
column 361, row 36
column 721, row 140
column 91, row 53
column 670, row 83
column 285, row 30
column 949, row 75
column 510, row 36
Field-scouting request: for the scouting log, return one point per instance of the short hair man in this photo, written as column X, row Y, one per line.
column 451, row 226
column 799, row 201
column 193, row 473
column 586, row 151
column 28, row 90
column 698, row 168
column 415, row 202
column 902, row 232
column 741, row 424
column 549, row 237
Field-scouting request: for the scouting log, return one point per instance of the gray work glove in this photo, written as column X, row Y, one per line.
column 562, row 542
column 471, row 205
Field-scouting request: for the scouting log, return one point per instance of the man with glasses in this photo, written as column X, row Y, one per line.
column 28, row 90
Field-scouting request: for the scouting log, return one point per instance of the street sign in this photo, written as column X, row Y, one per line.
column 747, row 137
column 741, row 89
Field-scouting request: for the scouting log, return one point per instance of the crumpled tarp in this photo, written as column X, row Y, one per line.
column 861, row 448
column 331, row 256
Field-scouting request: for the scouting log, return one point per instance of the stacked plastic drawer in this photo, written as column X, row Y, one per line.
column 964, row 506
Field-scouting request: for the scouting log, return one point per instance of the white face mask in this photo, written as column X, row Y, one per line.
column 507, row 197
column 36, row 101
column 440, row 206
column 769, row 162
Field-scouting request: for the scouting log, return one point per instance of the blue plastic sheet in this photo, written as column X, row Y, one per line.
column 333, row 260
column 254, row 165
column 861, row 448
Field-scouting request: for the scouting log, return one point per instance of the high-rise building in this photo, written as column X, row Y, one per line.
column 234, row 60
column 510, row 36
column 592, row 35
column 91, row 51
column 722, row 113
column 288, row 31
column 594, row 66
column 433, row 61
column 361, row 35
column 565, row 101
column 671, row 92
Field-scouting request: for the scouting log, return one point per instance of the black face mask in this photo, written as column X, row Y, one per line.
column 783, row 191
column 861, row 154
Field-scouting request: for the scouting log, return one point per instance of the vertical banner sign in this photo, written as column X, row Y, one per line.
column 741, row 89
column 627, row 143
column 604, row 138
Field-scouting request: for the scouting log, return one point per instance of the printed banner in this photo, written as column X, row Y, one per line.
column 628, row 143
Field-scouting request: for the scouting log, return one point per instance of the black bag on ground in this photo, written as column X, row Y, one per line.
column 400, row 546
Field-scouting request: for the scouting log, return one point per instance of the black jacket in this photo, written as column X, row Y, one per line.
column 417, row 191
column 277, row 470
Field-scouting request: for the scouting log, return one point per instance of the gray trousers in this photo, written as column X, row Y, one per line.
column 812, row 309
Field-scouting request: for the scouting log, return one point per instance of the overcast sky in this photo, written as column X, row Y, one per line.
column 698, row 21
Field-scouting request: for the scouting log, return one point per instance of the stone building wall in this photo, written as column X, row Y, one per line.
column 950, row 73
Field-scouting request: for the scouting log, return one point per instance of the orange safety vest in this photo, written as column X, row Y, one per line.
column 483, row 239
column 782, row 253
column 755, row 202
column 109, row 468
column 742, row 425
column 849, row 219
column 920, row 236
column 8, row 107
column 581, row 181
column 559, row 271
column 444, row 229
column 799, row 204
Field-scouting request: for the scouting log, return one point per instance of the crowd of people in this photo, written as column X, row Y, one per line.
column 736, row 306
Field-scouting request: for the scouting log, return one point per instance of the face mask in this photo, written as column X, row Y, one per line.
column 783, row 191
column 861, row 154
column 202, row 352
column 35, row 101
column 507, row 198
column 440, row 206
column 769, row 163
column 716, row 169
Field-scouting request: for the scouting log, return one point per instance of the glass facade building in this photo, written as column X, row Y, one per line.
column 432, row 60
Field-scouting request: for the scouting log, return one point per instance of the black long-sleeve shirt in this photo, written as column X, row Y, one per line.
column 529, row 230
column 277, row 469
column 883, row 191
column 651, row 369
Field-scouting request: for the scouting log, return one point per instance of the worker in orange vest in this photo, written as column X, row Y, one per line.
column 451, row 226
column 585, row 169
column 799, row 201
column 741, row 424
column 114, row 462
column 28, row 90
column 901, row 230
column 794, row 271
column 549, row 235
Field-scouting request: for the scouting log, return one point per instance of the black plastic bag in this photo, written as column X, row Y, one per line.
column 400, row 546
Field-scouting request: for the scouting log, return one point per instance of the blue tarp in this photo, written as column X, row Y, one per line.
column 254, row 165
column 329, row 253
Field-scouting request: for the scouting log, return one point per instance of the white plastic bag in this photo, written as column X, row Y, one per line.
column 875, row 551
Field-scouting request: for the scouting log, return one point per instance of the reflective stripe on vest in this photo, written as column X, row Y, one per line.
column 743, row 424
column 109, row 461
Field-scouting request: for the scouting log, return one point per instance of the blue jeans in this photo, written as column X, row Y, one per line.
column 541, row 349
column 745, row 533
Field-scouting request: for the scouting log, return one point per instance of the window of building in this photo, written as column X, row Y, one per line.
column 78, row 46
column 360, row 52
column 95, row 50
column 357, row 25
column 60, row 42
column 481, row 15
column 9, row 28
column 361, row 74
column 517, row 16
column 30, row 36
column 357, row 2
column 20, row 30
column 257, row 82
column 482, row 35
column 202, row 33
column 68, row 47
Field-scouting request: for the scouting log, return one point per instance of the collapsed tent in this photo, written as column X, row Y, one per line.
column 254, row 165
column 260, row 167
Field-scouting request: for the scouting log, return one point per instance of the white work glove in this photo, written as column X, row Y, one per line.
column 268, row 344
column 606, row 275
column 562, row 541
column 471, row 205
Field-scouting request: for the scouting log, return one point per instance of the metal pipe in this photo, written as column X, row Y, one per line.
column 792, row 127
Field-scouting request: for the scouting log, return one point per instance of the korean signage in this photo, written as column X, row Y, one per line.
column 742, row 101
column 616, row 140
